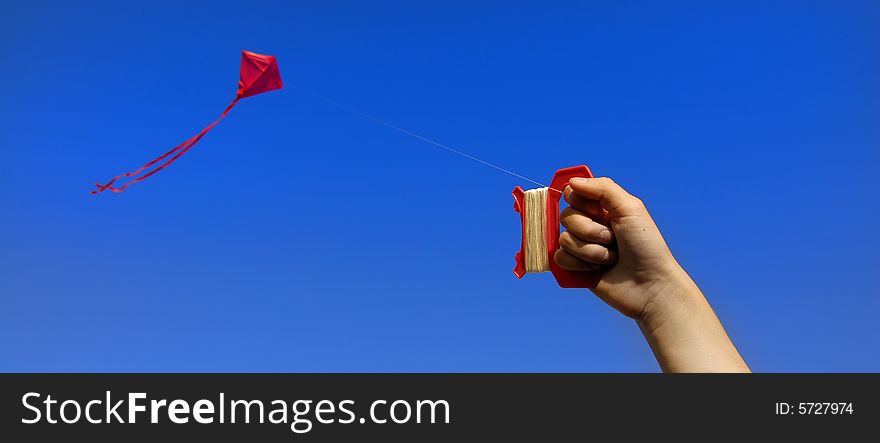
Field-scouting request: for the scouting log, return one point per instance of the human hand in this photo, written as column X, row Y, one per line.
column 600, row 212
column 608, row 228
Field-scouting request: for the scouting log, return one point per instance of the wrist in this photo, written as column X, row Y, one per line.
column 683, row 331
column 674, row 296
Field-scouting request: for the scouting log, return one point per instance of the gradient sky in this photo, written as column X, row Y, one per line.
column 299, row 237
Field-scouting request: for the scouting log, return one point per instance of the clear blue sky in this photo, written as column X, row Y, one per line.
column 297, row 237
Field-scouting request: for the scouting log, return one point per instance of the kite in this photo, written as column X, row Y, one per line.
column 259, row 74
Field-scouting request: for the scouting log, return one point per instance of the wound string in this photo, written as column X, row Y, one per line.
column 535, row 203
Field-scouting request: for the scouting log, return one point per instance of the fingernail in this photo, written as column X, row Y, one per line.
column 605, row 236
column 579, row 180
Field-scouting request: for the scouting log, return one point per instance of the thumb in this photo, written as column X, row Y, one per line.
column 610, row 195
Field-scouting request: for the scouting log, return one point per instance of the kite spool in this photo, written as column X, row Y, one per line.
column 539, row 213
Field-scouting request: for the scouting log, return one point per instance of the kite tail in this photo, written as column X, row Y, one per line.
column 179, row 150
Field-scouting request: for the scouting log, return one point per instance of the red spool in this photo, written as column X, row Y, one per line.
column 565, row 279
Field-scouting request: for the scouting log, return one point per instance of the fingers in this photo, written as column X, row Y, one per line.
column 591, row 208
column 584, row 246
column 586, row 251
column 571, row 263
column 584, row 228
column 610, row 196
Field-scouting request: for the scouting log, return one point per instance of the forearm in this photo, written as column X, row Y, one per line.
column 683, row 331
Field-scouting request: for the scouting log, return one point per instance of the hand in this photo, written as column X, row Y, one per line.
column 600, row 211
column 607, row 228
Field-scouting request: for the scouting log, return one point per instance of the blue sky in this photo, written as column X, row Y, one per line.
column 298, row 237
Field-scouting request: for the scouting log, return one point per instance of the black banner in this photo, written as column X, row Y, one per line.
column 419, row 407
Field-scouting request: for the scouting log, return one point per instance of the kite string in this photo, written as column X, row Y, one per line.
column 413, row 134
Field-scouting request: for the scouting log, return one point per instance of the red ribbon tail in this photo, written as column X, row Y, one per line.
column 178, row 151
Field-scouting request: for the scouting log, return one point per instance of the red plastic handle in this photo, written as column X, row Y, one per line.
column 519, row 205
column 565, row 279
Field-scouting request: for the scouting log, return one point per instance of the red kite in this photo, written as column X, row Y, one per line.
column 259, row 74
